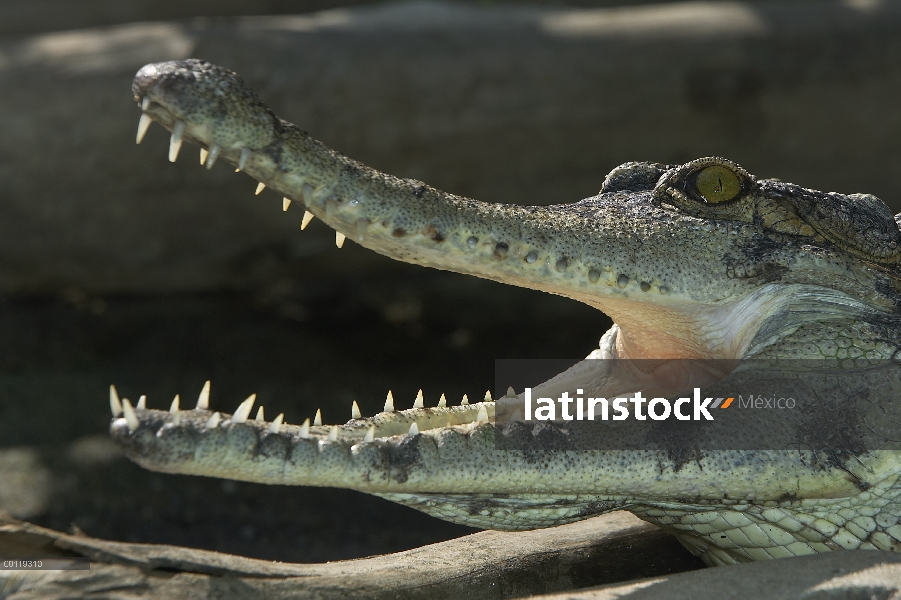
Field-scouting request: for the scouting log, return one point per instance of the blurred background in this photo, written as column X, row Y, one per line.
column 119, row 267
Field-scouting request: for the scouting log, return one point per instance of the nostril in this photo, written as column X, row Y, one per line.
column 145, row 78
column 148, row 71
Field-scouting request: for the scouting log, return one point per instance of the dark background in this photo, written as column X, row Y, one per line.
column 119, row 267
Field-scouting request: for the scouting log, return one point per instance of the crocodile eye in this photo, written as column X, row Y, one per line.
column 717, row 184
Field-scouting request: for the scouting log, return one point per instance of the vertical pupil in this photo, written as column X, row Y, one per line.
column 716, row 183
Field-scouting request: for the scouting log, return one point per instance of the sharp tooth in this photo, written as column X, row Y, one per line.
column 442, row 401
column 142, row 403
column 276, row 425
column 511, row 393
column 333, row 434
column 131, row 419
column 487, row 397
column 305, row 430
column 414, row 429
column 355, row 411
column 115, row 405
column 174, row 410
column 213, row 421
column 286, row 202
column 307, row 217
column 370, row 434
column 362, row 227
column 214, row 154
column 143, row 124
column 145, row 103
column 317, row 420
column 339, row 239
column 418, row 403
column 483, row 415
column 203, row 402
column 243, row 410
column 465, row 400
column 260, row 416
column 175, row 141
column 245, row 154
column 389, row 402
column 203, row 154
column 260, row 187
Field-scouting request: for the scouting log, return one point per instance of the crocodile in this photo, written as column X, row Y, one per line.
column 692, row 262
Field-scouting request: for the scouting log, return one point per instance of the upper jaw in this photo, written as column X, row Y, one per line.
column 624, row 252
column 554, row 249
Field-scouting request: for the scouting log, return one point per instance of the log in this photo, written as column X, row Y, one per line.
column 490, row 564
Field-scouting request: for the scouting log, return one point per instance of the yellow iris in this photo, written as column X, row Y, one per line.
column 718, row 184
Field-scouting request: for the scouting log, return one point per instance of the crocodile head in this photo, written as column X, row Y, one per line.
column 693, row 261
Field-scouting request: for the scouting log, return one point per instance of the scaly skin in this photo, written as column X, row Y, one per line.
column 777, row 272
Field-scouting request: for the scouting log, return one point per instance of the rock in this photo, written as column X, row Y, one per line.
column 502, row 103
column 25, row 482
column 18, row 17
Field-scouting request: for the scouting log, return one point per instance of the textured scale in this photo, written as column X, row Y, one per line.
column 778, row 272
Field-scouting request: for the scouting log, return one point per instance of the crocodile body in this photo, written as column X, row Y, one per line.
column 694, row 261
